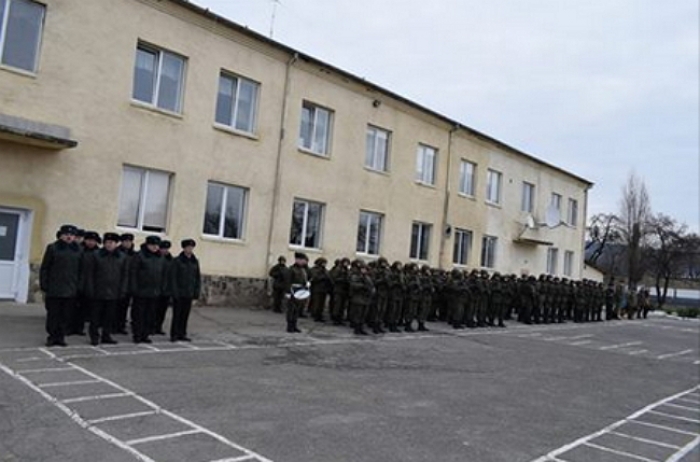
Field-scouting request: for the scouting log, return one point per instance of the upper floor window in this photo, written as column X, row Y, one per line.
column 225, row 211
column 488, row 251
column 556, row 201
column 426, row 159
column 467, row 172
column 369, row 232
column 528, row 201
column 377, row 155
column 237, row 102
column 21, row 24
column 493, row 187
column 568, row 263
column 420, row 240
column 159, row 78
column 144, row 199
column 572, row 215
column 315, row 131
column 552, row 259
column 307, row 219
column 462, row 247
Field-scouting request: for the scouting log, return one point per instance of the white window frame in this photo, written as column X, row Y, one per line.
column 462, row 249
column 146, row 172
column 222, row 212
column 368, row 216
column 324, row 150
column 155, row 100
column 555, row 200
column 488, row 259
column 372, row 156
column 572, row 213
column 552, row 260
column 426, row 164
column 5, row 21
column 568, row 263
column 527, row 203
column 494, row 185
column 422, row 228
column 467, row 178
column 305, row 222
column 235, row 102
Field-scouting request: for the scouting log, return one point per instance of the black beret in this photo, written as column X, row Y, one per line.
column 152, row 240
column 92, row 235
column 111, row 237
column 165, row 244
column 67, row 229
column 188, row 243
column 126, row 237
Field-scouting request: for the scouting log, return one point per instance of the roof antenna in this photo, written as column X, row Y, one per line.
column 274, row 15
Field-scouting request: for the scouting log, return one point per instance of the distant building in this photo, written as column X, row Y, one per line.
column 157, row 116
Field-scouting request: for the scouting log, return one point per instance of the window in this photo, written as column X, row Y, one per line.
column 462, row 247
column 425, row 164
column 225, row 211
column 306, row 224
column 158, row 78
column 556, row 201
column 467, row 170
column 493, row 187
column 21, row 23
column 369, row 232
column 488, row 251
column 144, row 198
column 528, row 202
column 377, row 155
column 572, row 215
column 568, row 263
column 420, row 241
column 237, row 102
column 315, row 132
column 552, row 257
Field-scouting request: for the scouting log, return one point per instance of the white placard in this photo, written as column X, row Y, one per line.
column 3, row 231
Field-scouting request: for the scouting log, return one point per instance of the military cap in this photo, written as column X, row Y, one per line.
column 114, row 237
column 190, row 243
column 126, row 237
column 320, row 261
column 165, row 244
column 301, row 256
column 152, row 240
column 92, row 235
column 79, row 232
column 67, row 229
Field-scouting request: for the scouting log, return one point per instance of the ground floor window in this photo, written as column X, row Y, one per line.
column 369, row 231
column 420, row 240
column 307, row 221
column 144, row 199
column 568, row 263
column 225, row 211
column 552, row 257
column 462, row 247
column 488, row 251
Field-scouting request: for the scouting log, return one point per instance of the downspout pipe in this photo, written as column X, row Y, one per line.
column 446, row 203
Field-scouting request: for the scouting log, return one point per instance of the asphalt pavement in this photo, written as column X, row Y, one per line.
column 245, row 390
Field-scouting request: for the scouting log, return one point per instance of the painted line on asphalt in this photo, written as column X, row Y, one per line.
column 671, row 355
column 663, row 427
column 233, row 459
column 689, row 400
column 577, row 337
column 619, row 453
column 684, row 451
column 581, row 342
column 66, row 384
column 150, row 439
column 133, row 415
column 586, row 440
column 619, row 345
column 95, row 398
column 682, row 407
column 645, row 440
column 673, row 416
column 46, row 369
column 637, row 352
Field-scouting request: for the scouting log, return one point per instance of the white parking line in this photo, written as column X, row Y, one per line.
column 122, row 417
column 95, row 398
column 637, row 352
column 581, row 342
column 234, row 459
column 684, row 451
column 673, row 416
column 644, row 440
column 150, row 439
column 67, row 384
column 688, row 400
column 618, row 346
column 619, row 453
column 683, row 407
column 46, row 369
column 671, row 355
column 586, row 440
column 663, row 427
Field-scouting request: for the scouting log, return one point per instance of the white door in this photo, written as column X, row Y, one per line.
column 9, row 253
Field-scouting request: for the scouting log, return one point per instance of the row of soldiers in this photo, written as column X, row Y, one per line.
column 383, row 296
column 88, row 278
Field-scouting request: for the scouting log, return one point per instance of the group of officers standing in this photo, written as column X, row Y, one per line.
column 392, row 297
column 91, row 279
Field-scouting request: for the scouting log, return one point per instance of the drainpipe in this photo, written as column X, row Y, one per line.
column 278, row 165
column 584, row 223
column 446, row 203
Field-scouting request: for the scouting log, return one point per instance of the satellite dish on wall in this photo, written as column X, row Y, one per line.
column 552, row 217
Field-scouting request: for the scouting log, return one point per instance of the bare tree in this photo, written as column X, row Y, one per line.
column 602, row 232
column 668, row 248
column 635, row 211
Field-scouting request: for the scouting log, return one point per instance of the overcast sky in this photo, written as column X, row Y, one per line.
column 597, row 87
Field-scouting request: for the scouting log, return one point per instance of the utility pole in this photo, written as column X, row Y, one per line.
column 274, row 16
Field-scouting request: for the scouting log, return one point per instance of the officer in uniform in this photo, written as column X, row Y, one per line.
column 455, row 289
column 165, row 297
column 340, row 277
column 361, row 292
column 413, row 295
column 321, row 286
column 381, row 277
column 426, row 297
column 297, row 278
column 146, row 281
column 126, row 247
column 397, row 289
column 185, row 286
column 59, row 278
column 83, row 303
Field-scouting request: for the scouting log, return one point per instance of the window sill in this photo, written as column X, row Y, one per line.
column 313, row 153
column 298, row 248
column 139, row 232
column 222, row 240
column 378, row 172
column 18, row 71
column 466, row 196
column 371, row 256
column 235, row 132
column 156, row 109
column 425, row 185
column 494, row 204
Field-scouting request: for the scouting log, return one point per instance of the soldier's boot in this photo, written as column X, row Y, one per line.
column 379, row 328
column 295, row 328
column 394, row 328
column 290, row 329
column 408, row 327
column 421, row 327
